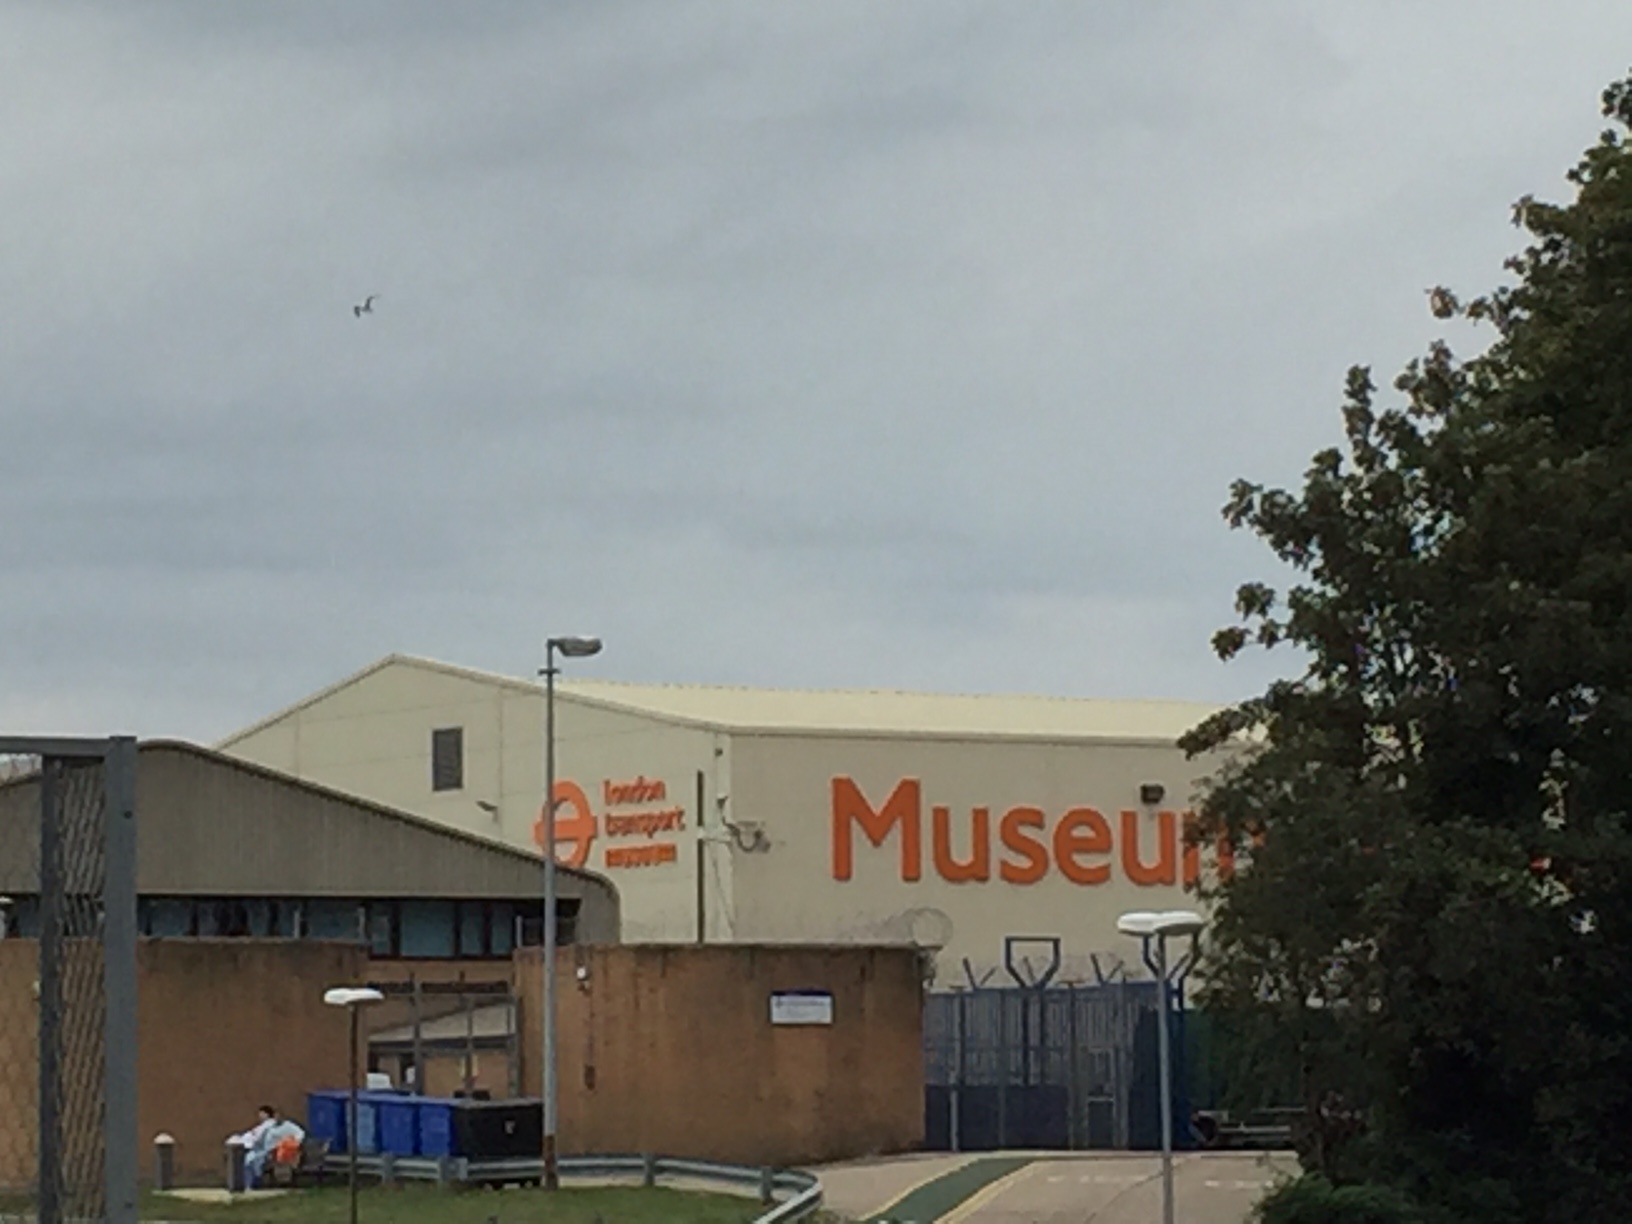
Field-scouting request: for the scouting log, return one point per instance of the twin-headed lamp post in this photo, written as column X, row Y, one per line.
column 568, row 648
column 1153, row 930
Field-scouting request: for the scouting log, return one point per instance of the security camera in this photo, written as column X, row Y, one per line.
column 1151, row 793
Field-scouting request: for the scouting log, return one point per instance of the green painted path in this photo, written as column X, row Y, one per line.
column 935, row 1199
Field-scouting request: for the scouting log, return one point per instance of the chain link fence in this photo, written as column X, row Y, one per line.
column 67, row 981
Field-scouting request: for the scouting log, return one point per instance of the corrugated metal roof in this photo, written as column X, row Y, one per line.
column 832, row 711
column 881, row 711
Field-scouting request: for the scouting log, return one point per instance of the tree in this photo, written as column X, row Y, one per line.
column 1436, row 916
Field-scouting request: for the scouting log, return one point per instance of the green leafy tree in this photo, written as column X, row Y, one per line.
column 1435, row 919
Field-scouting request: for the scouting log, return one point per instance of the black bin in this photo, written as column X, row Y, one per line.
column 498, row 1130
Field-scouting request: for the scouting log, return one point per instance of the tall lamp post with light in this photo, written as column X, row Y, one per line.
column 1153, row 930
column 568, row 648
column 353, row 999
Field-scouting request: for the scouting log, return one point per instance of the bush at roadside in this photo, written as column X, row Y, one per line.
column 1314, row 1200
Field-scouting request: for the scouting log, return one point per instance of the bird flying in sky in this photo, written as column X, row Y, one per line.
column 366, row 308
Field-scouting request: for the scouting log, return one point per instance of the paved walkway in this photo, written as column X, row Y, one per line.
column 1045, row 1188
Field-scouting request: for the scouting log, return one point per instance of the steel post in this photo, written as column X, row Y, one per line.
column 551, row 1175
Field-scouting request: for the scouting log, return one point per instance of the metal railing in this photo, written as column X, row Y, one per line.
column 788, row 1194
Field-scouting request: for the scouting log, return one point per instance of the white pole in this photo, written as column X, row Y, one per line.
column 1163, row 1055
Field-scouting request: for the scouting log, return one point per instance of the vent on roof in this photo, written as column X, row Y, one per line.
column 448, row 759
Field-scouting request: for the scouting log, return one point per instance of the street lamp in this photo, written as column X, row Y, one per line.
column 353, row 999
column 1154, row 930
column 569, row 648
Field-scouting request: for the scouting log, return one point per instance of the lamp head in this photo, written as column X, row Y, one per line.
column 576, row 647
column 352, row 996
column 1164, row 922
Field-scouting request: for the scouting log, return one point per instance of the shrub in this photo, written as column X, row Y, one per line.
column 1314, row 1200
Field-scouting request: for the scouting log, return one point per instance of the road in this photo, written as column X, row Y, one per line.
column 1098, row 1188
column 1208, row 1188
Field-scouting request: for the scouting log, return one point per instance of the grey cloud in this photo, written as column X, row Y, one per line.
column 909, row 344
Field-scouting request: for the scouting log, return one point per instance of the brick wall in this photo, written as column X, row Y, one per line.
column 671, row 1050
column 229, row 1025
column 224, row 1026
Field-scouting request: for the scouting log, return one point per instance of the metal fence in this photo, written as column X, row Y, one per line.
column 68, row 1141
column 1066, row 1067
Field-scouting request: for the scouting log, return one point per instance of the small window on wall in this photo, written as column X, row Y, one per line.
column 448, row 759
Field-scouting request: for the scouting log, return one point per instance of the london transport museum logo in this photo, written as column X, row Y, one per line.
column 1082, row 845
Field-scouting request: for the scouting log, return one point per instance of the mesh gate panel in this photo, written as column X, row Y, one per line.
column 73, row 1002
column 19, row 984
column 67, row 965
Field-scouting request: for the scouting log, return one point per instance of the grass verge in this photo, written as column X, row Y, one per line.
column 429, row 1205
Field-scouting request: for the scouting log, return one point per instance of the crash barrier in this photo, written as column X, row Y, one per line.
column 788, row 1194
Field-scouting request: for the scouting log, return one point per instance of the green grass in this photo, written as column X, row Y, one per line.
column 428, row 1205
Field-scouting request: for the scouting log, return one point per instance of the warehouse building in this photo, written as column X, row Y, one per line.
column 230, row 849
column 741, row 815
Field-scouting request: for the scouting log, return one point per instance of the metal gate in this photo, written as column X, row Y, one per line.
column 1059, row 1067
column 68, row 1141
column 1043, row 1066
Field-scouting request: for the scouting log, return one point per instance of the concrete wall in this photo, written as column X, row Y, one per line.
column 976, row 839
column 671, row 1050
column 225, row 1026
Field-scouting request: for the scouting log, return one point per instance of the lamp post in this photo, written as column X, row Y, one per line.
column 353, row 999
column 569, row 648
column 1153, row 931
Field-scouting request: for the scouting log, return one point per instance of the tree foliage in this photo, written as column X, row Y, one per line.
column 1436, row 918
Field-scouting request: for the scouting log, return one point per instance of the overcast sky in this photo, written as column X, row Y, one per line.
column 880, row 344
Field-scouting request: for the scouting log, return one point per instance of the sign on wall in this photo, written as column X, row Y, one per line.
column 1082, row 845
column 801, row 1007
column 636, row 819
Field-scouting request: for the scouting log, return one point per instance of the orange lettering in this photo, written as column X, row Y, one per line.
column 979, row 864
column 1192, row 852
column 850, row 808
column 1082, row 831
column 1013, row 832
column 1163, row 870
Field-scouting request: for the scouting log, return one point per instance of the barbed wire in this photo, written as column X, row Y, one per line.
column 14, row 767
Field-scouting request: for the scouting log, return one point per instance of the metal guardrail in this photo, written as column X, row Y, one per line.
column 788, row 1194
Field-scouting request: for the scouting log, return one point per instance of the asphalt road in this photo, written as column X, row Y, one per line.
column 1209, row 1188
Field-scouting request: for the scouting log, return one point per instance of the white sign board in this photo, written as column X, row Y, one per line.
column 801, row 1007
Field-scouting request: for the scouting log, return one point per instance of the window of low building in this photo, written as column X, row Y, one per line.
column 328, row 919
column 428, row 929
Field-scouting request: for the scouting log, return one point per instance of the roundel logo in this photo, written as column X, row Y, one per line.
column 575, row 825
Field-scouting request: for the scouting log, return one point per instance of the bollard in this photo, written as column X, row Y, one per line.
column 164, row 1153
column 235, row 1167
column 767, row 1185
column 388, row 1169
column 648, row 1170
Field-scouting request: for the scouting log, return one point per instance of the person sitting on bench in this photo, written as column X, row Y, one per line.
column 262, row 1139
